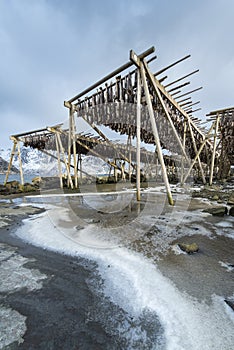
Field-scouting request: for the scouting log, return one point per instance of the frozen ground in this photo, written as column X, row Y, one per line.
column 146, row 291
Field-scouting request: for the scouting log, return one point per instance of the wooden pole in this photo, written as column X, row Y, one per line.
column 73, row 136
column 80, row 163
column 138, row 138
column 107, row 140
column 98, row 154
column 197, row 155
column 20, row 163
column 65, row 161
column 109, row 76
column 59, row 162
column 214, row 149
column 156, row 153
column 155, row 133
column 130, row 157
column 115, row 171
column 152, row 79
column 195, row 149
column 69, row 143
column 182, row 157
column 11, row 161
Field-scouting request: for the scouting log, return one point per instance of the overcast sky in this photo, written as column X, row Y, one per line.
column 53, row 49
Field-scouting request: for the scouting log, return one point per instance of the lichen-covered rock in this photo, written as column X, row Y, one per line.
column 36, row 181
column 231, row 200
column 215, row 197
column 217, row 211
column 12, row 185
column 189, row 248
column 29, row 188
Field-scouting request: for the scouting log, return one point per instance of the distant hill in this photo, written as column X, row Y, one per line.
column 4, row 167
column 35, row 163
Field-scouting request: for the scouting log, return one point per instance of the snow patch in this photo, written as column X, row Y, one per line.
column 12, row 328
column 226, row 265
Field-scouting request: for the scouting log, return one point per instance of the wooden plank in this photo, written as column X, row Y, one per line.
column 138, row 136
column 110, row 75
column 155, row 132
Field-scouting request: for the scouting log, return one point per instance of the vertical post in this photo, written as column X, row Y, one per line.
column 20, row 163
column 115, row 171
column 198, row 153
column 214, row 150
column 182, row 156
column 130, row 157
column 138, row 137
column 195, row 149
column 69, row 141
column 73, row 137
column 59, row 162
column 155, row 133
column 156, row 166
column 10, row 162
column 65, row 161
column 80, row 165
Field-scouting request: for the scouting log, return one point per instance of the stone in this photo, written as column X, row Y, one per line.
column 217, row 211
column 189, row 248
column 230, row 303
column 28, row 188
column 215, row 197
column 231, row 211
column 231, row 200
column 36, row 180
column 12, row 185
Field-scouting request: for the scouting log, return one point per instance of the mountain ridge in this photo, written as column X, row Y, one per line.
column 35, row 162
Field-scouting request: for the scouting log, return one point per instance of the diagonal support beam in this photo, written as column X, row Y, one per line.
column 155, row 133
column 195, row 149
column 100, row 133
column 214, row 149
column 11, row 161
column 198, row 154
column 153, row 81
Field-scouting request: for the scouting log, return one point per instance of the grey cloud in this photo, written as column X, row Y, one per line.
column 51, row 50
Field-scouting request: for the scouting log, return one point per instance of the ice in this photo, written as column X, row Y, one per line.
column 227, row 266
column 12, row 327
column 14, row 276
column 135, row 284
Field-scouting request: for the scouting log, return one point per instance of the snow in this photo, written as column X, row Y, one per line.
column 15, row 276
column 37, row 163
column 187, row 322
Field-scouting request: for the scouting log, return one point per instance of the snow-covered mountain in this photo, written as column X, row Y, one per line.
column 35, row 162
column 4, row 166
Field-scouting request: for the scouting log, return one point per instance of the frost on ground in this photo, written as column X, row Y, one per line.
column 12, row 326
column 14, row 276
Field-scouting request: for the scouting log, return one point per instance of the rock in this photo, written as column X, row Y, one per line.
column 229, row 303
column 36, row 180
column 12, row 185
column 214, row 187
column 28, row 188
column 189, row 248
column 231, row 211
column 215, row 197
column 231, row 200
column 217, row 211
